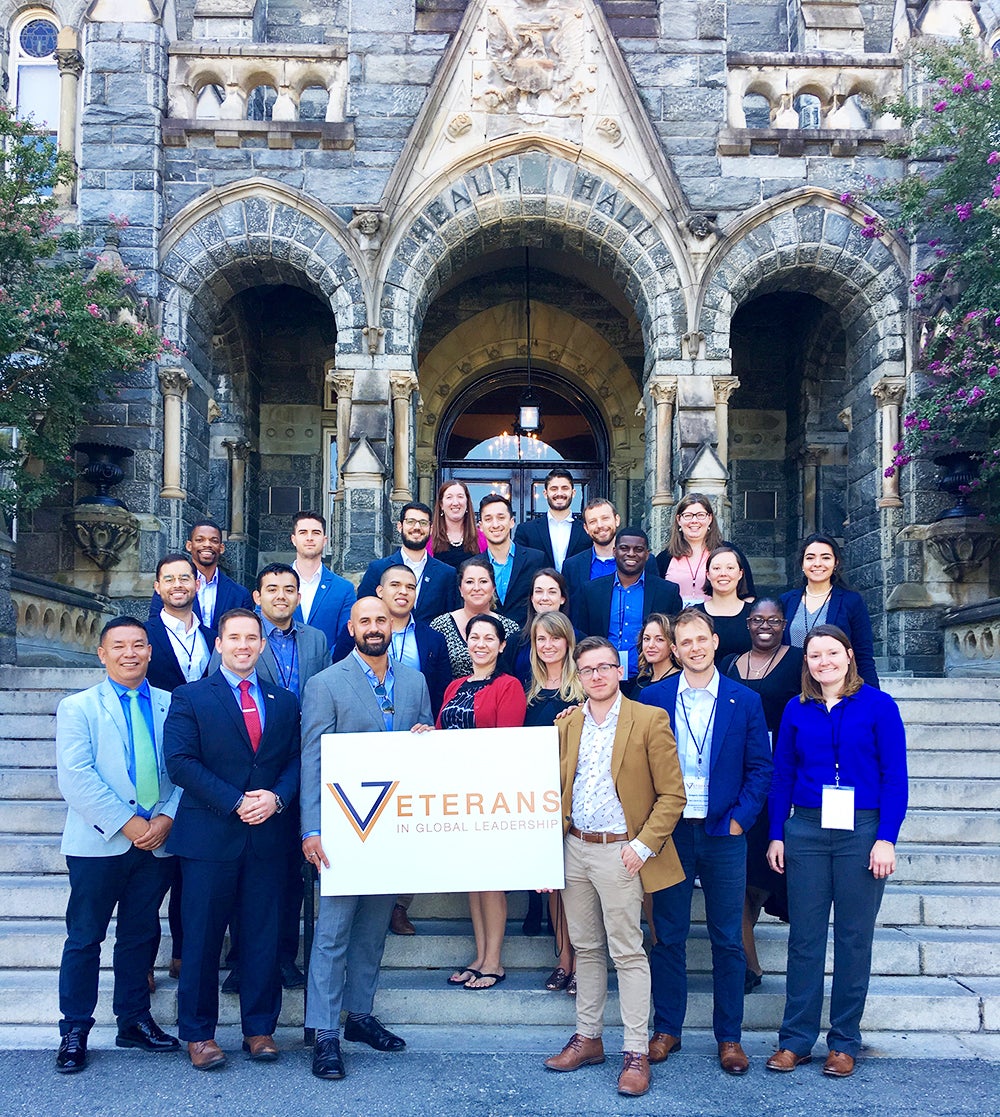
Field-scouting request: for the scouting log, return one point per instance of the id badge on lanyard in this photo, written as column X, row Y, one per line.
column 837, row 809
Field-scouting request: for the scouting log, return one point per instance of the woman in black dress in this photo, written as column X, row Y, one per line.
column 728, row 601
column 774, row 671
column 656, row 661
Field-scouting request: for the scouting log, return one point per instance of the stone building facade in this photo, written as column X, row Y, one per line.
column 336, row 209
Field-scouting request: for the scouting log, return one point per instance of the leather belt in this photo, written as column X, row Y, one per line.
column 598, row 838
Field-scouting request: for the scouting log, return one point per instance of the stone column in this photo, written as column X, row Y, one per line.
column 620, row 470
column 723, row 386
column 174, row 383
column 402, row 385
column 343, row 385
column 238, row 450
column 426, row 464
column 889, row 393
column 812, row 459
column 663, row 391
column 70, row 63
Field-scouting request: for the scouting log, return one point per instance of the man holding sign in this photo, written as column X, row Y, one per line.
column 364, row 693
column 622, row 795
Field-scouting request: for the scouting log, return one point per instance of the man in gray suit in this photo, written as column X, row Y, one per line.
column 109, row 760
column 365, row 693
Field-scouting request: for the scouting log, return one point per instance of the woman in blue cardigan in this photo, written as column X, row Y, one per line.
column 840, row 765
column 825, row 600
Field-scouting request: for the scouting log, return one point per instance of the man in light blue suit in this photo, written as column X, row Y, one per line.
column 121, row 806
column 326, row 597
column 365, row 693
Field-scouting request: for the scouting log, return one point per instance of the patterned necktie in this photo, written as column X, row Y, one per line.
column 251, row 715
column 147, row 775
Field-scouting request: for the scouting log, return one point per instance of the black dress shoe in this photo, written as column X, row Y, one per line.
column 146, row 1034
column 327, row 1060
column 232, row 982
column 369, row 1030
column 72, row 1054
column 291, row 976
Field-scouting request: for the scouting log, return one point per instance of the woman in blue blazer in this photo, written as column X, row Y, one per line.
column 825, row 600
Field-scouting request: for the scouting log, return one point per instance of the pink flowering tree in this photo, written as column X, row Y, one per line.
column 71, row 328
column 949, row 204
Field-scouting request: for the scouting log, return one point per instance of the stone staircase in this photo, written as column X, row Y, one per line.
column 937, row 949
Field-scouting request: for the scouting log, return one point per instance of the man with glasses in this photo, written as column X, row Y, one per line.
column 616, row 605
column 622, row 796
column 437, row 583
column 181, row 646
column 365, row 693
column 725, row 758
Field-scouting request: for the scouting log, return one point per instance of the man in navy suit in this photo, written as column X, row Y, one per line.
column 121, row 804
column 326, row 598
column 616, row 605
column 558, row 534
column 725, row 758
column 437, row 582
column 514, row 564
column 217, row 593
column 181, row 645
column 232, row 743
column 601, row 523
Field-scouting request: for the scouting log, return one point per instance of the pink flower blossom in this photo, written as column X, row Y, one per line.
column 993, row 157
column 986, row 85
column 847, row 198
column 94, row 310
column 963, row 211
column 940, row 106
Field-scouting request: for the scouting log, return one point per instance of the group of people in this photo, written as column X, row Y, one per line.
column 708, row 737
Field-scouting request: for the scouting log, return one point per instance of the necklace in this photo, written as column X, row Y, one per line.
column 763, row 670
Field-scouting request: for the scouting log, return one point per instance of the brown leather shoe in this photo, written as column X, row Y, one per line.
column 785, row 1060
column 151, row 981
column 205, row 1054
column 399, row 922
column 633, row 1081
column 839, row 1065
column 662, row 1045
column 260, row 1048
column 174, row 969
column 733, row 1059
column 581, row 1051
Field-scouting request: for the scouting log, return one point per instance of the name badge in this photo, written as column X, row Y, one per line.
column 696, row 790
column 837, row 812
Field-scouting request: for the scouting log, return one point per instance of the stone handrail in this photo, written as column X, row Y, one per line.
column 57, row 626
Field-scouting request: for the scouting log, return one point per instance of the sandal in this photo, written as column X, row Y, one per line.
column 497, row 978
column 459, row 979
column 556, row 980
column 571, row 985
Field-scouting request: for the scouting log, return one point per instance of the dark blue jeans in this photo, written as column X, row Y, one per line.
column 827, row 867
column 137, row 882
column 721, row 864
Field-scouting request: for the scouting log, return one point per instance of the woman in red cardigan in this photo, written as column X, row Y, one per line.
column 484, row 700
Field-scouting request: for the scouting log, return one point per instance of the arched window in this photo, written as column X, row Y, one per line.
column 34, row 73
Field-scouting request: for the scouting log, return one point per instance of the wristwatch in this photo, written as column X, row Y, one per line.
column 279, row 804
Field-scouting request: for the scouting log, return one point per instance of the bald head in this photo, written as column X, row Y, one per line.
column 371, row 627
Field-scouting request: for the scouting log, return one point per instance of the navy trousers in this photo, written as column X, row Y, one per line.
column 136, row 881
column 721, row 865
column 827, row 867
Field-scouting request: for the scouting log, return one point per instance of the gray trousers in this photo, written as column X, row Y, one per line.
column 827, row 867
column 346, row 955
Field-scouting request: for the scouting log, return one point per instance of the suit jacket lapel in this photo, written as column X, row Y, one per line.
column 224, row 693
column 573, row 735
column 622, row 731
column 113, row 705
column 724, row 710
column 365, row 693
column 270, row 715
column 321, row 591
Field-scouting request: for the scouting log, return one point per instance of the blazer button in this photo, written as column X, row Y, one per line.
column 131, row 802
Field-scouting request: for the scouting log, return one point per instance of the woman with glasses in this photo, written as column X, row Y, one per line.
column 825, row 599
column 486, row 699
column 554, row 687
column 728, row 601
column 694, row 535
column 837, row 802
column 454, row 535
column 774, row 671
column 477, row 588
column 655, row 659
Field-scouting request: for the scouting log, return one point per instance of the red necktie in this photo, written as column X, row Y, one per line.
column 251, row 715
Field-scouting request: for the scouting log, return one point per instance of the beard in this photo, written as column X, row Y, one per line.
column 372, row 643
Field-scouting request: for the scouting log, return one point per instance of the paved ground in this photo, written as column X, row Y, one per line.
column 450, row 1073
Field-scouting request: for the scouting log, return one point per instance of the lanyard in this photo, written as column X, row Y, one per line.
column 182, row 644
column 401, row 652
column 693, row 571
column 700, row 749
column 805, row 610
column 836, row 729
column 286, row 680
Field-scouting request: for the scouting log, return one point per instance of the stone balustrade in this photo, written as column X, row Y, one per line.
column 842, row 89
column 211, row 87
column 57, row 626
column 972, row 640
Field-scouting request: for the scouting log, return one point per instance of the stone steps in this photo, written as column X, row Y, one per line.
column 956, row 827
column 949, row 794
column 956, row 864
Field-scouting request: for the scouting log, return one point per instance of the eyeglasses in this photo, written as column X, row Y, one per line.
column 766, row 622
column 170, row 579
column 601, row 669
column 383, row 699
column 687, row 517
column 410, row 522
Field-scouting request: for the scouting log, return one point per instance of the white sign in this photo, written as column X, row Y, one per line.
column 463, row 810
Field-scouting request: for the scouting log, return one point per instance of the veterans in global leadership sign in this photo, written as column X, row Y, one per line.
column 457, row 811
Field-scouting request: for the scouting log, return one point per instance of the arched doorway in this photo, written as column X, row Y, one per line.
column 477, row 442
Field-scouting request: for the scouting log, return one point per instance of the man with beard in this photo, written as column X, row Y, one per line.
column 216, row 592
column 601, row 523
column 365, row 693
column 437, row 585
column 558, row 534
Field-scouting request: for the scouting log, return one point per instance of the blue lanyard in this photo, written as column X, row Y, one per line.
column 286, row 680
column 700, row 749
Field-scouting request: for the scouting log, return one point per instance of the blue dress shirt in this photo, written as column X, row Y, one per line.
column 146, row 706
column 625, row 622
column 501, row 571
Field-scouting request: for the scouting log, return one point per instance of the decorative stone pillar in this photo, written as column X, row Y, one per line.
column 426, row 464
column 238, row 450
column 70, row 63
column 364, row 507
column 174, row 383
column 812, row 459
column 402, row 385
column 663, row 391
column 723, row 386
column 620, row 470
column 889, row 393
column 343, row 385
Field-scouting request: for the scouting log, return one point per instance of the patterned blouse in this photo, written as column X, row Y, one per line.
column 460, row 712
column 458, row 651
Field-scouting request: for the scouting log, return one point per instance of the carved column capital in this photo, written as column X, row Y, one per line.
column 663, row 389
column 174, row 382
column 69, row 62
column 343, row 382
column 238, row 448
column 889, row 390
column 724, row 386
column 402, row 384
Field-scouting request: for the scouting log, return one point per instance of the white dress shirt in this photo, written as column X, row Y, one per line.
column 308, row 588
column 189, row 646
column 207, row 592
column 694, row 719
column 559, row 533
column 417, row 568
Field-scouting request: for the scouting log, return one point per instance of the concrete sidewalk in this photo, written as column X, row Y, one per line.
column 498, row 1073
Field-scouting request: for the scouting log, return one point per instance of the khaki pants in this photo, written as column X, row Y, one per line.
column 603, row 908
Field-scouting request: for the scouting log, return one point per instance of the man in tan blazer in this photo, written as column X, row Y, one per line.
column 622, row 795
